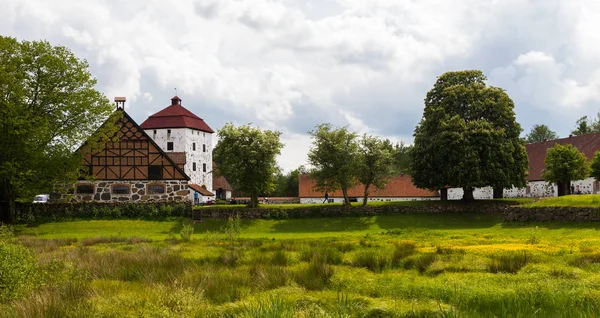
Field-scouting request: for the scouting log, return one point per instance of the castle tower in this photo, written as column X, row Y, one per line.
column 185, row 137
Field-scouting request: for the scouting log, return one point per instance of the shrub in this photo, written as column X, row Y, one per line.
column 187, row 230
column 509, row 262
column 401, row 252
column 18, row 271
column 372, row 260
column 316, row 275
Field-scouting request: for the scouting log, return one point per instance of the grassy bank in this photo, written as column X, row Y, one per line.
column 583, row 200
column 420, row 265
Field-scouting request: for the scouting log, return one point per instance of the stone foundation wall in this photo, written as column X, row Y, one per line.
column 547, row 214
column 175, row 190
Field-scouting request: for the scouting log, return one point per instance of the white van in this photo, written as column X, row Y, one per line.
column 41, row 198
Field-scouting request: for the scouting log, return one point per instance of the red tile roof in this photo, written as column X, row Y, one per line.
column 201, row 190
column 399, row 186
column 178, row 157
column 220, row 182
column 588, row 144
column 175, row 116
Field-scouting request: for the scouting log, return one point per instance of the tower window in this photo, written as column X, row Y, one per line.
column 203, row 167
column 168, row 133
column 194, row 166
column 194, row 146
column 203, row 147
column 170, row 145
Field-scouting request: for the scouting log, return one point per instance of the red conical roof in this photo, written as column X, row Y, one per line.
column 175, row 116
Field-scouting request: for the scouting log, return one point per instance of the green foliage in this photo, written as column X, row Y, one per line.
column 286, row 185
column 540, row 133
column 595, row 166
column 402, row 161
column 335, row 157
column 375, row 163
column 316, row 275
column 232, row 228
column 587, row 126
column 565, row 163
column 187, row 230
column 402, row 251
column 468, row 136
column 246, row 156
column 420, row 262
column 49, row 106
column 18, row 271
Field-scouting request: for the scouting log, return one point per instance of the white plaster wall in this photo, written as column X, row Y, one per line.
column 479, row 193
column 183, row 141
column 371, row 199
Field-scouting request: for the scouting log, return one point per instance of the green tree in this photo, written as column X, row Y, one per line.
column 563, row 164
column 48, row 107
column 468, row 137
column 583, row 126
column 334, row 156
column 246, row 156
column 375, row 163
column 595, row 166
column 286, row 185
column 540, row 133
column 401, row 154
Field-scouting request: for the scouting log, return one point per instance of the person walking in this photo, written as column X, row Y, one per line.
column 196, row 198
column 326, row 197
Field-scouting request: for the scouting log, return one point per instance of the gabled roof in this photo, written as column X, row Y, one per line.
column 201, row 190
column 399, row 186
column 175, row 116
column 178, row 157
column 588, row 144
column 220, row 182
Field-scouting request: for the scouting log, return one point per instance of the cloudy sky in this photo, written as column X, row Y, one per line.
column 289, row 65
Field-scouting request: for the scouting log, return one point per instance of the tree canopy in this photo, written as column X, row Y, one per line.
column 334, row 155
column 565, row 163
column 375, row 163
column 540, row 133
column 246, row 156
column 595, row 166
column 585, row 125
column 468, row 137
column 48, row 107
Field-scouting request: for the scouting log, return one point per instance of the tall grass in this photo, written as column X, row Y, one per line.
column 509, row 262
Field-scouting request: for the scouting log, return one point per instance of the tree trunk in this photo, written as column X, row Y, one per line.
column 563, row 188
column 366, row 196
column 7, row 204
column 346, row 200
column 253, row 200
column 444, row 194
column 498, row 193
column 468, row 194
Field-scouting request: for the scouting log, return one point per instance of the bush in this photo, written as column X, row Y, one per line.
column 509, row 262
column 18, row 271
column 187, row 230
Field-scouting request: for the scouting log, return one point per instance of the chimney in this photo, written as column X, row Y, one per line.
column 570, row 136
column 120, row 101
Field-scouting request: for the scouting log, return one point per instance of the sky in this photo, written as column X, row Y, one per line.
column 290, row 65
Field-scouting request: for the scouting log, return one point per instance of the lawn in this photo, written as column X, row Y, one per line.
column 583, row 200
column 415, row 265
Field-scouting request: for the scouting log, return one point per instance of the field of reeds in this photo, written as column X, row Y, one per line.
column 416, row 265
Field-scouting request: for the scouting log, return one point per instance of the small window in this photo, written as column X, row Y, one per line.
column 194, row 166
column 156, row 189
column 120, row 189
column 194, row 146
column 204, row 148
column 203, row 134
column 85, row 189
column 170, row 146
column 155, row 131
column 169, row 131
column 203, row 167
column 155, row 172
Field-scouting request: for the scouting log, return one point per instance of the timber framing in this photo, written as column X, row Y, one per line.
column 131, row 155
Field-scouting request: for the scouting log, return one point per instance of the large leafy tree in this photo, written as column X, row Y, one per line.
column 468, row 137
column 48, row 107
column 401, row 154
column 583, row 126
column 375, row 163
column 565, row 163
column 286, row 185
column 246, row 156
column 595, row 166
column 334, row 155
column 540, row 133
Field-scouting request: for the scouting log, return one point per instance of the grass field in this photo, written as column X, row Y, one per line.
column 583, row 200
column 416, row 265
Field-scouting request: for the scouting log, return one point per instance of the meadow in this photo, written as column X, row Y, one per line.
column 412, row 265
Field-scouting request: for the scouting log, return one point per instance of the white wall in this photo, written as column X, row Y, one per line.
column 534, row 189
column 183, row 141
column 371, row 199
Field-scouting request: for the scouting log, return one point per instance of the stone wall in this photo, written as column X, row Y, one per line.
column 338, row 210
column 546, row 214
column 175, row 190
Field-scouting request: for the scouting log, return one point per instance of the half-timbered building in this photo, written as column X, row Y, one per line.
column 131, row 167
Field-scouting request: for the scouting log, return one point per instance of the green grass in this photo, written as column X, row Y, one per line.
column 411, row 265
column 583, row 200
